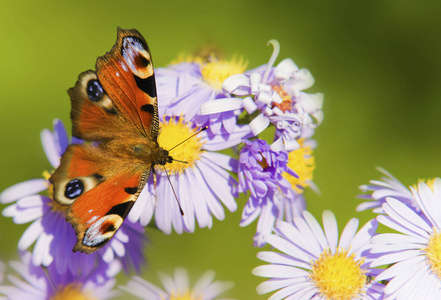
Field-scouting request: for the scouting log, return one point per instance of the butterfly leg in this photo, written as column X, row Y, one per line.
column 154, row 175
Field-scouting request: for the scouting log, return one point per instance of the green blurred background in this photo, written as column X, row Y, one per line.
column 377, row 62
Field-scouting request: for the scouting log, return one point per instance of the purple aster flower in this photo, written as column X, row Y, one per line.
column 261, row 169
column 178, row 287
column 203, row 185
column 174, row 81
column 53, row 238
column 377, row 191
column 415, row 251
column 261, row 172
column 185, row 86
column 277, row 94
column 315, row 264
column 46, row 283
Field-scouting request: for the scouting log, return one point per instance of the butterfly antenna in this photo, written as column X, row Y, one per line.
column 184, row 162
column 202, row 129
column 173, row 189
column 180, row 161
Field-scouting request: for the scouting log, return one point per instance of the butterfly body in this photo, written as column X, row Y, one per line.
column 115, row 109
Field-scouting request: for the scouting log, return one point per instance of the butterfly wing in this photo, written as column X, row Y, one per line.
column 94, row 115
column 121, row 96
column 116, row 106
column 99, row 197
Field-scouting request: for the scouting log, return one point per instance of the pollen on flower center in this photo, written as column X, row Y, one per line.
column 433, row 252
column 303, row 163
column 338, row 276
column 71, row 292
column 183, row 296
column 286, row 104
column 174, row 132
column 215, row 72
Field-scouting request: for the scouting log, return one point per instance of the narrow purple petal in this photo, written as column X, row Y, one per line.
column 22, row 189
column 187, row 203
column 331, row 229
column 348, row 233
column 30, row 235
column 50, row 148
column 60, row 136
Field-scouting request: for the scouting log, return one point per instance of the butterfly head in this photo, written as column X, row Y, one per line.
column 164, row 157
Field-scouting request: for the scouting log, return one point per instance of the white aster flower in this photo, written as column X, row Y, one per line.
column 377, row 191
column 316, row 264
column 178, row 287
column 415, row 251
column 276, row 93
column 44, row 283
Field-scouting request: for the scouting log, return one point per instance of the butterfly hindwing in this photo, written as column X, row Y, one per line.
column 99, row 197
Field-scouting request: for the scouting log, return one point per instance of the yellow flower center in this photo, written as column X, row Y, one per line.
column 263, row 163
column 215, row 72
column 50, row 192
column 207, row 52
column 429, row 183
column 303, row 163
column 174, row 132
column 182, row 296
column 433, row 252
column 71, row 292
column 184, row 57
column 338, row 276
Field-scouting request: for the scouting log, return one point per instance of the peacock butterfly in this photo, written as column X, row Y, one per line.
column 115, row 108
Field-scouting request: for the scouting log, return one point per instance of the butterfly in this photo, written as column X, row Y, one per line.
column 115, row 109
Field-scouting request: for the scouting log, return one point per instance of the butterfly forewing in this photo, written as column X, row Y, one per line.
column 127, row 75
column 94, row 115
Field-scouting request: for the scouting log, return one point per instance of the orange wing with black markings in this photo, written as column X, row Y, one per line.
column 115, row 106
column 120, row 96
column 99, row 197
column 127, row 74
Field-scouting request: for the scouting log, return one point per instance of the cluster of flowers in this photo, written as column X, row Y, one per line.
column 237, row 106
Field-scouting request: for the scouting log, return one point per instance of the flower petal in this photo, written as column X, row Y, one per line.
column 220, row 105
column 259, row 124
column 331, row 229
column 22, row 189
column 50, row 148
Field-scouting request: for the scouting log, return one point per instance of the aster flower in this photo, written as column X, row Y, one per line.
column 53, row 238
column 178, row 287
column 415, row 250
column 261, row 172
column 277, row 95
column 202, row 185
column 316, row 264
column 261, row 169
column 185, row 86
column 38, row 283
column 377, row 191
